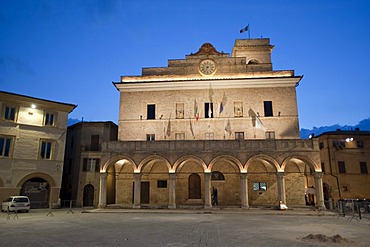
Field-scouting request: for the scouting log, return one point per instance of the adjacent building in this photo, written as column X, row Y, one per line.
column 32, row 142
column 81, row 174
column 345, row 157
column 211, row 121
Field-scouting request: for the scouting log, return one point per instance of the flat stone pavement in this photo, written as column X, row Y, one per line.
column 181, row 227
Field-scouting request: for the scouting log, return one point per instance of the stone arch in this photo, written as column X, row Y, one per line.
column 177, row 166
column 314, row 166
column 263, row 158
column 151, row 159
column 114, row 159
column 228, row 188
column 42, row 175
column 228, row 158
column 253, row 61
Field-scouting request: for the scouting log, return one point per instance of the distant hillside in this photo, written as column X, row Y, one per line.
column 72, row 121
column 362, row 125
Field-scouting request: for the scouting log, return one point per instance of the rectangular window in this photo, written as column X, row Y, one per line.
column 360, row 144
column 267, row 106
column 5, row 145
column 94, row 143
column 180, row 110
column 341, row 167
column 91, row 165
column 239, row 135
column 259, row 186
column 9, row 113
column 270, row 134
column 150, row 137
column 339, row 144
column 321, row 145
column 161, row 183
column 363, row 168
column 208, row 110
column 150, row 112
column 238, row 109
column 179, row 136
column 209, row 136
column 323, row 167
column 49, row 119
column 45, row 150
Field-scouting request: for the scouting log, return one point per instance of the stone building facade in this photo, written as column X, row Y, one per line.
column 345, row 157
column 81, row 174
column 32, row 142
column 211, row 121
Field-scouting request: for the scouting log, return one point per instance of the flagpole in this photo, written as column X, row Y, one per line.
column 249, row 32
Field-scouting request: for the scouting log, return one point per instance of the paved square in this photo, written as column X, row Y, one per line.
column 177, row 228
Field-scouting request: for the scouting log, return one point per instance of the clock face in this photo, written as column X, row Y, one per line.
column 207, row 67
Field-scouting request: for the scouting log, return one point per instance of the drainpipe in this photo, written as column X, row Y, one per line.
column 331, row 169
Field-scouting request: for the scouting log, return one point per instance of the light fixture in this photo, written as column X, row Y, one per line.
column 311, row 136
column 33, row 106
column 349, row 139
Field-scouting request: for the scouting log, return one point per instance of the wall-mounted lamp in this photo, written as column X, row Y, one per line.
column 349, row 139
column 311, row 136
column 33, row 106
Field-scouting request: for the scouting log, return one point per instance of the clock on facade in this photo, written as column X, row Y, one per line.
column 207, row 67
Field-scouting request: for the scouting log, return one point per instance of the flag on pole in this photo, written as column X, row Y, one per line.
column 191, row 128
column 169, row 127
column 196, row 110
column 259, row 124
column 228, row 127
column 244, row 29
column 223, row 103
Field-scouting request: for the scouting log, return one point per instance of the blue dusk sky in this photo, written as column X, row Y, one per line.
column 71, row 51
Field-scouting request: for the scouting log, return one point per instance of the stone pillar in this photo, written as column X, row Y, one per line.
column 207, row 191
column 137, row 190
column 103, row 190
column 281, row 187
column 244, row 190
column 319, row 190
column 172, row 191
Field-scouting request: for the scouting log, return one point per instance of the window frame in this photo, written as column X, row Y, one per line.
column 259, row 185
column 341, row 167
column 46, row 118
column 363, row 167
column 208, row 105
column 150, row 112
column 270, row 135
column 268, row 109
column 239, row 135
column 3, row 149
column 180, row 110
column 91, row 165
column 150, row 137
column 51, row 151
column 6, row 117
column 180, row 136
column 236, row 112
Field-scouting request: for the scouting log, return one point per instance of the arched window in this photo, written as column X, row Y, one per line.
column 253, row 61
column 216, row 175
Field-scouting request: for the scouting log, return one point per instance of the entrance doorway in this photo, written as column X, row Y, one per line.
column 88, row 199
column 194, row 186
column 37, row 190
column 144, row 192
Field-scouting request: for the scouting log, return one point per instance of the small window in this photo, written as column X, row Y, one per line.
column 267, row 106
column 270, row 135
column 360, row 144
column 91, row 165
column 180, row 110
column 238, row 109
column 161, row 183
column 259, row 186
column 363, row 167
column 345, row 188
column 49, row 119
column 94, row 143
column 150, row 112
column 209, row 136
column 339, row 144
column 321, row 145
column 45, row 150
column 9, row 113
column 239, row 135
column 208, row 110
column 341, row 167
column 323, row 167
column 216, row 175
column 150, row 137
column 5, row 146
column 179, row 136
